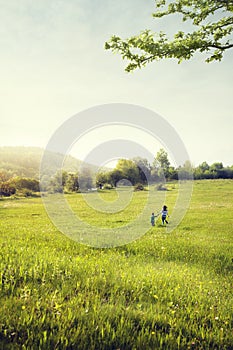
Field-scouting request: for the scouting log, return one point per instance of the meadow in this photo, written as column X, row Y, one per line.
column 162, row 291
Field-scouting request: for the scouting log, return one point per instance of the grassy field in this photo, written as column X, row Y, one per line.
column 163, row 291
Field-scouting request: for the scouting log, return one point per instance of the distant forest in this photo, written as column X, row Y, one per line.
column 19, row 172
column 25, row 161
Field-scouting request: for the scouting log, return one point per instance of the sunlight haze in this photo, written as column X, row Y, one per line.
column 53, row 65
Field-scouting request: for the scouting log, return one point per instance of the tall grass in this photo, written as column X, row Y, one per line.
column 163, row 291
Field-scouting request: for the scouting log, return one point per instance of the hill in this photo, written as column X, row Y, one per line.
column 25, row 161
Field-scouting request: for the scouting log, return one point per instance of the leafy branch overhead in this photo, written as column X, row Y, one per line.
column 212, row 23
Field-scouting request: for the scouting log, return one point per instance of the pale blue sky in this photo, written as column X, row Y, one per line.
column 53, row 66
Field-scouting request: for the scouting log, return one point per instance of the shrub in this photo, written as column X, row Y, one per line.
column 139, row 187
column 7, row 189
column 26, row 183
column 107, row 187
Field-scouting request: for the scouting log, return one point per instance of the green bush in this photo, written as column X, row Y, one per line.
column 26, row 183
column 107, row 187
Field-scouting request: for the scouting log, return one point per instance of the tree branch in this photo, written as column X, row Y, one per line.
column 226, row 47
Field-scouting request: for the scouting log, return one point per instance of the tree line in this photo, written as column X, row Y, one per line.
column 138, row 171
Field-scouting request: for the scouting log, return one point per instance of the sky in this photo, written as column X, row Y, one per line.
column 53, row 65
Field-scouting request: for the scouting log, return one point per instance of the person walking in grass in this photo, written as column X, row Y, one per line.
column 164, row 213
column 152, row 219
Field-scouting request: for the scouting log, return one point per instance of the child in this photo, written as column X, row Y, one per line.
column 164, row 213
column 152, row 219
